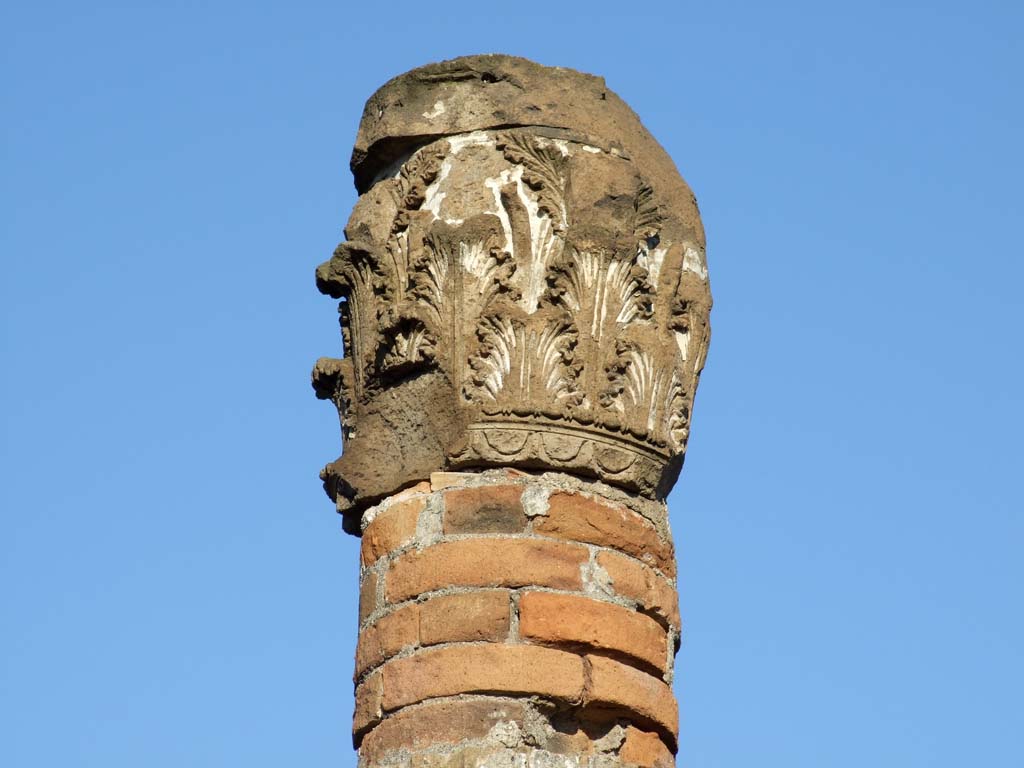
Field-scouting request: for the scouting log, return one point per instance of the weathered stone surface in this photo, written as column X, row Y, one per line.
column 523, row 284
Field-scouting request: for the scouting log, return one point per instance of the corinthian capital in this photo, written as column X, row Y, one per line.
column 523, row 284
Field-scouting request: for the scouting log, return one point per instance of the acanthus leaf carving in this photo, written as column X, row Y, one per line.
column 544, row 171
column 582, row 323
column 525, row 360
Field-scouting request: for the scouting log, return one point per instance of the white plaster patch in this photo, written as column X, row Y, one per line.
column 600, row 581
column 542, row 242
column 535, row 501
column 429, row 526
column 683, row 342
column 437, row 110
column 545, row 244
column 652, row 261
column 495, row 186
column 369, row 515
column 561, row 144
column 543, row 759
column 693, row 261
column 457, row 143
column 507, row 732
column 432, row 196
column 590, row 149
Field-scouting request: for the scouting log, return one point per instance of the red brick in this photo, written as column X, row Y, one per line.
column 465, row 617
column 438, row 722
column 441, row 480
column 368, row 706
column 386, row 637
column 485, row 509
column 646, row 750
column 513, row 669
column 635, row 581
column 555, row 619
column 582, row 518
column 367, row 595
column 485, row 562
column 420, row 488
column 393, row 527
column 628, row 690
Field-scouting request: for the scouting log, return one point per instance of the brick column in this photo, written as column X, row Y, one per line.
column 502, row 612
column 524, row 309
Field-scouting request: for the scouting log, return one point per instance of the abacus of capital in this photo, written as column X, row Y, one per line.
column 524, row 310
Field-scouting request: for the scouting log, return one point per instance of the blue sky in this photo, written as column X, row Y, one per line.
column 850, row 523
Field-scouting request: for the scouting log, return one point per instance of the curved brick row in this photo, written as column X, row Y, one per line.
column 504, row 605
column 446, row 722
column 545, row 618
column 499, row 509
column 568, row 620
column 588, row 681
column 462, row 617
column 516, row 563
column 486, row 562
column 644, row 585
column 582, row 518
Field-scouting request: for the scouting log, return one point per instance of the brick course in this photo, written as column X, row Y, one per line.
column 486, row 562
column 627, row 689
column 579, row 518
column 494, row 620
column 446, row 721
column 557, row 619
column 510, row 669
column 636, row 581
column 393, row 527
column 467, row 617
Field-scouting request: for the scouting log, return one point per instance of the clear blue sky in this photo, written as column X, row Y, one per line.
column 176, row 588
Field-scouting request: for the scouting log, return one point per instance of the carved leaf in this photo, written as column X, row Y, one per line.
column 407, row 345
column 647, row 219
column 418, row 173
column 544, row 172
column 677, row 409
column 519, row 362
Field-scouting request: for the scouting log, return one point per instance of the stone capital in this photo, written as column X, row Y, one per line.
column 523, row 284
